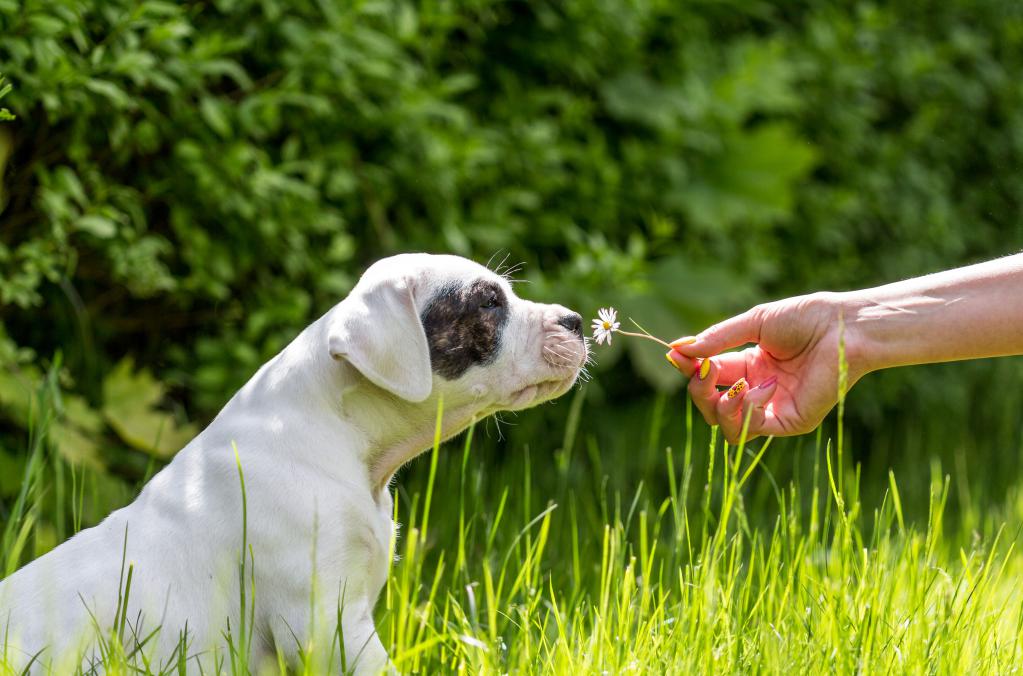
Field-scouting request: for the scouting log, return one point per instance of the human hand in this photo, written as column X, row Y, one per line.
column 787, row 381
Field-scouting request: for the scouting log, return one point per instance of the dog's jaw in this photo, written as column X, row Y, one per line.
column 532, row 395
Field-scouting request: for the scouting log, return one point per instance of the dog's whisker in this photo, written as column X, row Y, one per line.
column 561, row 355
column 514, row 268
column 511, row 270
column 496, row 418
column 497, row 269
column 561, row 350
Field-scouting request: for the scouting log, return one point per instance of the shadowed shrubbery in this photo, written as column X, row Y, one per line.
column 186, row 185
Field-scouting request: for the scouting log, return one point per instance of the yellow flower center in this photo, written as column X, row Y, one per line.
column 607, row 326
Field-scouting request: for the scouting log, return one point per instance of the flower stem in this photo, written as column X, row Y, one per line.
column 644, row 335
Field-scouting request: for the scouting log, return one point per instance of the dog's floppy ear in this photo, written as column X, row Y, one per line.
column 378, row 331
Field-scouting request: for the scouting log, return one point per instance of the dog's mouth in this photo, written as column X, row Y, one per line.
column 564, row 351
column 537, row 393
column 564, row 354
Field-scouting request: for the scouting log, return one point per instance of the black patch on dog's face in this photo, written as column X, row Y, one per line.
column 463, row 326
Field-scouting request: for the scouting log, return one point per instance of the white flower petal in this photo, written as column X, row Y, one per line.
column 605, row 325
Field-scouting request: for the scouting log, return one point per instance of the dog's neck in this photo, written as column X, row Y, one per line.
column 382, row 431
column 396, row 431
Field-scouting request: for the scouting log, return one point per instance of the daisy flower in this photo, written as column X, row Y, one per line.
column 605, row 324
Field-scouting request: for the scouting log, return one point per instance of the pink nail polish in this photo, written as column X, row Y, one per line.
column 767, row 383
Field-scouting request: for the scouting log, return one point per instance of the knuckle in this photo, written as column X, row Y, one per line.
column 759, row 311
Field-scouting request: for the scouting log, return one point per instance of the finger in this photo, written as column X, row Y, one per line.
column 731, row 366
column 685, row 365
column 732, row 332
column 729, row 410
column 754, row 406
column 703, row 390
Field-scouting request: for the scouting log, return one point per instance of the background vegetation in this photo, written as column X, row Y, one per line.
column 187, row 184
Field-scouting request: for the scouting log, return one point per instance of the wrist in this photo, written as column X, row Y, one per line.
column 862, row 346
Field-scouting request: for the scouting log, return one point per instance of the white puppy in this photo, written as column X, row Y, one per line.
column 319, row 430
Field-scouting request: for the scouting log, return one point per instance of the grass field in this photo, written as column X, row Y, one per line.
column 686, row 583
column 541, row 567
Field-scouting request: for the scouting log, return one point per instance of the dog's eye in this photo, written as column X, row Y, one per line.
column 490, row 302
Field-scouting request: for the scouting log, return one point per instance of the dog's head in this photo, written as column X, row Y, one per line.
column 422, row 326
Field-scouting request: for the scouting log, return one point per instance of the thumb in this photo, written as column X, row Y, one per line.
column 733, row 332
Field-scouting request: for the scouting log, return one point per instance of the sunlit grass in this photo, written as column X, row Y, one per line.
column 661, row 587
column 535, row 567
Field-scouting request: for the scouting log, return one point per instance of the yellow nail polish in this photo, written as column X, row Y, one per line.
column 684, row 341
column 667, row 355
column 736, row 389
column 704, row 369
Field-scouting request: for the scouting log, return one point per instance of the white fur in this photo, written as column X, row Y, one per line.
column 320, row 430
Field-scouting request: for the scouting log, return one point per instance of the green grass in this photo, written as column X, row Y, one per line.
column 532, row 563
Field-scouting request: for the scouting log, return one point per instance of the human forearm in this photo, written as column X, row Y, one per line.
column 967, row 313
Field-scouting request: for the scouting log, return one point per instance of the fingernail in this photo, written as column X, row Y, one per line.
column 704, row 368
column 667, row 355
column 683, row 341
column 767, row 383
column 736, row 389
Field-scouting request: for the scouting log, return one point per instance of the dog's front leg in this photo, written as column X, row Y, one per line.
column 317, row 641
column 363, row 653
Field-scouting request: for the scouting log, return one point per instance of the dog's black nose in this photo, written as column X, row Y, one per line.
column 573, row 322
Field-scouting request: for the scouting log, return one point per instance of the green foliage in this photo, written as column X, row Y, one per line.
column 187, row 184
column 5, row 115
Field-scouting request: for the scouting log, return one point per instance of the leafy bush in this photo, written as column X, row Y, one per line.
column 187, row 184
